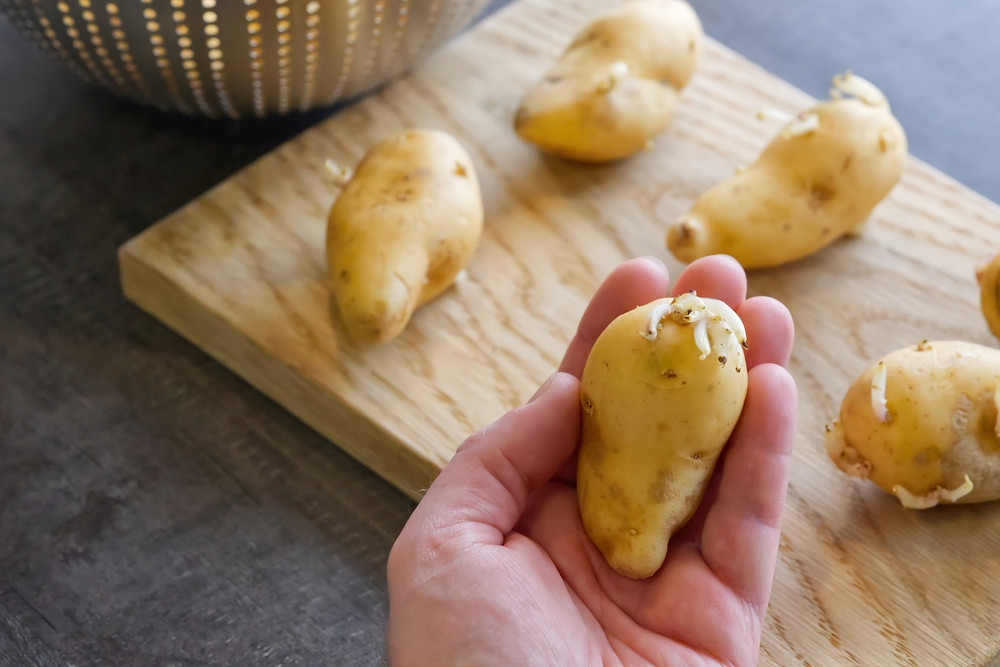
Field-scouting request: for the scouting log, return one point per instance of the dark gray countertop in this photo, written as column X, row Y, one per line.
column 154, row 509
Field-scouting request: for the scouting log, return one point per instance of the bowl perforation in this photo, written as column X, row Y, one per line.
column 284, row 54
column 159, row 51
column 402, row 19
column 99, row 44
column 256, row 54
column 313, row 19
column 71, row 27
column 350, row 45
column 124, row 48
column 212, row 30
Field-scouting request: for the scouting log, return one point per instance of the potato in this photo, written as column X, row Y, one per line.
column 817, row 180
column 616, row 86
column 402, row 228
column 922, row 423
column 988, row 275
column 661, row 392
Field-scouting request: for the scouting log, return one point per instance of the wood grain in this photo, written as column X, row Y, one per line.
column 240, row 272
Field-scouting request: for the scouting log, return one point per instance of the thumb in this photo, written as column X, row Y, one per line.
column 488, row 481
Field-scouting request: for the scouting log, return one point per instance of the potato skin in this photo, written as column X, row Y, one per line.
column 402, row 228
column 988, row 275
column 655, row 418
column 616, row 86
column 941, row 424
column 802, row 193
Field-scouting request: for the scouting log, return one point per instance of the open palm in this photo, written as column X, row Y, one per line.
column 494, row 566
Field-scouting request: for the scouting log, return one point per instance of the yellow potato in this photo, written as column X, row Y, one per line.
column 988, row 275
column 616, row 86
column 402, row 228
column 922, row 423
column 817, row 180
column 661, row 393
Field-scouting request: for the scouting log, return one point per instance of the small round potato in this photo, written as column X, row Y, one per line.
column 922, row 423
column 661, row 393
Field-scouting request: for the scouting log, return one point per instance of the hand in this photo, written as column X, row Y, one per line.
column 494, row 566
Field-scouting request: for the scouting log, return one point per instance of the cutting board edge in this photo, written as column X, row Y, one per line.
column 369, row 445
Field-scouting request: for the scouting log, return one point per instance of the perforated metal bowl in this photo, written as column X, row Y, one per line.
column 240, row 57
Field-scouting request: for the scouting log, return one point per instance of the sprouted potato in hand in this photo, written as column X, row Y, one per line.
column 817, row 180
column 662, row 390
column 922, row 423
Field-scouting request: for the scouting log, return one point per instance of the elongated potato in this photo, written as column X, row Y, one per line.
column 988, row 275
column 922, row 423
column 661, row 392
column 616, row 86
column 402, row 228
column 817, row 180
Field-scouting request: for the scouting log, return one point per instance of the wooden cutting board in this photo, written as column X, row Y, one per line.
column 240, row 272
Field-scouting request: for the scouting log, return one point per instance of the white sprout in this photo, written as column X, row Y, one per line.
column 932, row 497
column 776, row 115
column 963, row 489
column 804, row 124
column 729, row 316
column 656, row 315
column 617, row 71
column 701, row 337
column 461, row 276
column 795, row 126
column 690, row 309
column 913, row 502
column 879, row 405
column 864, row 90
column 341, row 175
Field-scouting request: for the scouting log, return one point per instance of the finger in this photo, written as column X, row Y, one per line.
column 741, row 531
column 770, row 331
column 485, row 487
column 633, row 283
column 716, row 277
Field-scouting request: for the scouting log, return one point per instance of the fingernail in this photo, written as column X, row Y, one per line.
column 544, row 388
